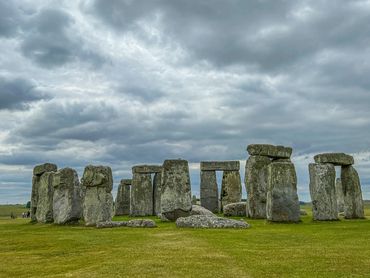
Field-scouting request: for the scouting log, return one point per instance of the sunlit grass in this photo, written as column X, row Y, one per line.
column 308, row 249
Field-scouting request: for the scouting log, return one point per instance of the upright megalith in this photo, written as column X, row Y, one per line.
column 97, row 183
column 157, row 191
column 256, row 175
column 144, row 193
column 282, row 198
column 176, row 189
column 209, row 191
column 322, row 190
column 231, row 188
column 67, row 203
column 353, row 203
column 42, row 193
column 340, row 195
column 122, row 203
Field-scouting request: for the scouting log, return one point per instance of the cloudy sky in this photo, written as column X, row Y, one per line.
column 120, row 83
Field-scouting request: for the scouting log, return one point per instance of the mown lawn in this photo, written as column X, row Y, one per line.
column 308, row 249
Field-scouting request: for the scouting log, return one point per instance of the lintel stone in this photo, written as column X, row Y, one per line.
column 269, row 150
column 219, row 166
column 146, row 169
column 126, row 181
column 338, row 159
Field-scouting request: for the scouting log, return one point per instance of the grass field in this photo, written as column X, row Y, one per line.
column 308, row 249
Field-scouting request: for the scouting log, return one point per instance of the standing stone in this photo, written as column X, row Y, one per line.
column 176, row 189
column 141, row 195
column 231, row 188
column 209, row 191
column 122, row 204
column 157, row 192
column 353, row 203
column 67, row 203
column 44, row 211
column 322, row 190
column 37, row 173
column 97, row 183
column 282, row 198
column 256, row 175
column 340, row 195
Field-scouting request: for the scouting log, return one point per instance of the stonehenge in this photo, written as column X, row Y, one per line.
column 42, row 193
column 97, row 183
column 122, row 203
column 231, row 190
column 145, row 195
column 67, row 205
column 176, row 189
column 271, row 184
column 329, row 197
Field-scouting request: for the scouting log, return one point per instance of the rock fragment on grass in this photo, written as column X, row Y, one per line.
column 206, row 221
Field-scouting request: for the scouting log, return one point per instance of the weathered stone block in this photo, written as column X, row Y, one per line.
column 206, row 221
column 282, row 198
column 231, row 188
column 256, row 175
column 340, row 195
column 353, row 203
column 141, row 195
column 322, row 190
column 209, row 191
column 176, row 189
column 122, row 204
column 199, row 210
column 236, row 209
column 157, row 192
column 219, row 166
column 146, row 169
column 38, row 170
column 340, row 159
column 97, row 183
column 44, row 210
column 67, row 202
column 269, row 150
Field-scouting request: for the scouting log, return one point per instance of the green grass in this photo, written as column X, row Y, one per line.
column 6, row 210
column 308, row 249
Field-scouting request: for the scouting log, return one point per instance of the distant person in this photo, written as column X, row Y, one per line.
column 28, row 214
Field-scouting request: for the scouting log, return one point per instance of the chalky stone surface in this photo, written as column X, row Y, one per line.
column 122, row 204
column 67, row 202
column 256, row 185
column 338, row 159
column 231, row 188
column 199, row 210
column 209, row 191
column 340, row 195
column 97, row 183
column 236, row 209
column 282, row 198
column 353, row 202
column 141, row 195
column 176, row 189
column 322, row 190
column 44, row 211
column 205, row 221
column 269, row 150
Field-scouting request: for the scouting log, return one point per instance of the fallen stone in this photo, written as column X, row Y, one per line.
column 219, row 166
column 322, row 190
column 338, row 159
column 111, row 224
column 282, row 198
column 303, row 212
column 141, row 195
column 353, row 202
column 205, row 221
column 67, row 202
column 97, row 183
column 176, row 189
column 209, row 191
column 256, row 185
column 340, row 195
column 199, row 210
column 38, row 170
column 235, row 209
column 141, row 223
column 122, row 203
column 269, row 150
column 231, row 188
